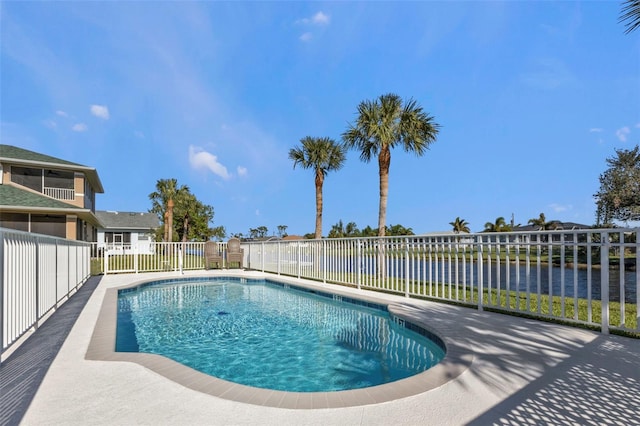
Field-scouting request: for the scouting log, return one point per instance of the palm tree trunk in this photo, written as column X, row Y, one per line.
column 319, row 182
column 384, row 161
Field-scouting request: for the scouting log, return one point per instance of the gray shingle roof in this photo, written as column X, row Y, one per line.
column 566, row 226
column 13, row 154
column 14, row 199
column 127, row 220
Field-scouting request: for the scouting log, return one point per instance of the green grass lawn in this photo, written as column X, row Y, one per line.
column 515, row 303
column 146, row 263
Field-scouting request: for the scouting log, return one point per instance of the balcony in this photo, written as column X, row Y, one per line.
column 60, row 193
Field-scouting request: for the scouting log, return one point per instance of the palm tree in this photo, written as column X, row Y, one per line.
column 167, row 191
column 337, row 230
column 542, row 224
column 460, row 225
column 381, row 125
column 538, row 222
column 630, row 13
column 500, row 225
column 322, row 155
column 351, row 230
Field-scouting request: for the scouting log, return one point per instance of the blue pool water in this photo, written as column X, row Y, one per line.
column 268, row 335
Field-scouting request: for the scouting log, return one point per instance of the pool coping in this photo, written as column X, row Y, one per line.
column 456, row 361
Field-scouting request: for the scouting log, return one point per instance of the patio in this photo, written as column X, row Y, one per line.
column 522, row 372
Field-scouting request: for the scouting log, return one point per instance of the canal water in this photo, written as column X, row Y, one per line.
column 512, row 275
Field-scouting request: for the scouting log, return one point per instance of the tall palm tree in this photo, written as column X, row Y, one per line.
column 381, row 125
column 500, row 225
column 323, row 155
column 460, row 225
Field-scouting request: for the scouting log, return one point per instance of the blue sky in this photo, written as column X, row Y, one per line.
column 532, row 98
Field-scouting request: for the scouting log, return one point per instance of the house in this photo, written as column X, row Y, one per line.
column 47, row 195
column 120, row 231
column 554, row 225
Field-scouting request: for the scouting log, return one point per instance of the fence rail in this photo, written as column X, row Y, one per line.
column 148, row 257
column 588, row 277
column 39, row 273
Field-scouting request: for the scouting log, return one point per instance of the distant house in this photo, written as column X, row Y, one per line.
column 47, row 195
column 555, row 226
column 119, row 231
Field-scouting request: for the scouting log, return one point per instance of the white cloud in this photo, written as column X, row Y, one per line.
column 242, row 171
column 50, row 124
column 596, row 130
column 138, row 134
column 623, row 133
column 80, row 127
column 319, row 18
column 306, row 37
column 62, row 113
column 200, row 159
column 257, row 212
column 638, row 125
column 560, row 208
column 100, row 111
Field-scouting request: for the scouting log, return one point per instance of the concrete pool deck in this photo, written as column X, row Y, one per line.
column 521, row 372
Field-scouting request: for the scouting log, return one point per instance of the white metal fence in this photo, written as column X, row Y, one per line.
column 149, row 257
column 39, row 273
column 588, row 277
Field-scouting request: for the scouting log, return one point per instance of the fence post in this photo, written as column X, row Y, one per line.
column 480, row 275
column 406, row 267
column 604, row 281
column 324, row 263
column 299, row 258
column 105, row 259
column 278, row 258
column 359, row 264
column 135, row 250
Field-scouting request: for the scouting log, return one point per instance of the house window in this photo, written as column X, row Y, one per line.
column 49, row 224
column 58, row 179
column 117, row 237
column 17, row 221
column 89, row 196
column 28, row 177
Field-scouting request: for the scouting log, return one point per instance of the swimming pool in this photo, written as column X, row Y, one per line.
column 266, row 334
column 417, row 314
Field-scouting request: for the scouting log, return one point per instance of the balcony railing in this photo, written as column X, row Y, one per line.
column 60, row 193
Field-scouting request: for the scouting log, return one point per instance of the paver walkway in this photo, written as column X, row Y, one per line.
column 22, row 372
